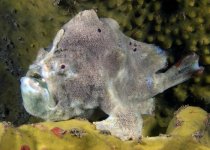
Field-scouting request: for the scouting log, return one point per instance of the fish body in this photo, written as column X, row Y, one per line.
column 92, row 64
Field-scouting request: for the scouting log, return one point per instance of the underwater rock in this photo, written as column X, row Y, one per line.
column 40, row 136
column 191, row 124
column 91, row 64
column 141, row 19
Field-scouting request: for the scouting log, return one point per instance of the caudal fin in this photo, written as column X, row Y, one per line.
column 183, row 70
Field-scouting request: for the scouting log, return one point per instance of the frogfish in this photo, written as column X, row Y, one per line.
column 92, row 65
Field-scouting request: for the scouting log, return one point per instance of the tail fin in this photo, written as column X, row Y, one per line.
column 180, row 72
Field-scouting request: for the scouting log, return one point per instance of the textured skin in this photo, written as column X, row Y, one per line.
column 93, row 64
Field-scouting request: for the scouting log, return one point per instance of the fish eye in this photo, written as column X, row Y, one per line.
column 63, row 66
column 62, row 69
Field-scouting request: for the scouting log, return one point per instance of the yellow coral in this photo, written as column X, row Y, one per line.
column 80, row 135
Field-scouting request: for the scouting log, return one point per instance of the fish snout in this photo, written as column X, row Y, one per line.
column 34, row 72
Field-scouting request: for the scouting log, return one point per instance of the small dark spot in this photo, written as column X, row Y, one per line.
column 59, row 50
column 16, row 24
column 14, row 11
column 33, row 45
column 99, row 30
column 63, row 66
column 77, row 132
column 135, row 44
column 130, row 139
column 178, row 122
column 4, row 38
column 106, row 132
column 163, row 114
column 43, row 33
column 7, row 69
column 137, row 14
column 6, row 62
column 20, row 38
column 46, row 49
column 198, row 135
column 36, row 76
column 140, row 140
column 134, row 49
column 50, row 18
column 130, row 43
column 8, row 45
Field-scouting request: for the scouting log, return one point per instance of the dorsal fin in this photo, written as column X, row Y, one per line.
column 56, row 40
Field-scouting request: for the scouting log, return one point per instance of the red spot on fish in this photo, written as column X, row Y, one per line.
column 58, row 131
column 199, row 72
column 178, row 63
column 25, row 147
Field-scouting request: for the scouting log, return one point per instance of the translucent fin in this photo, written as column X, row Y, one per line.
column 41, row 54
column 111, row 22
column 180, row 72
column 141, row 54
column 56, row 40
column 124, row 123
column 147, row 107
column 88, row 17
column 153, row 57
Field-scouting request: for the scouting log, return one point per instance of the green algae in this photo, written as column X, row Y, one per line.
column 180, row 92
column 191, row 123
column 26, row 27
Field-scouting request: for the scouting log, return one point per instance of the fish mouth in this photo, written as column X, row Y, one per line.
column 37, row 99
column 33, row 88
column 34, row 79
column 33, row 84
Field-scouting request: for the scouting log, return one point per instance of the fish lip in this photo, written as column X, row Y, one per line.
column 30, row 85
column 33, row 92
column 26, row 80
